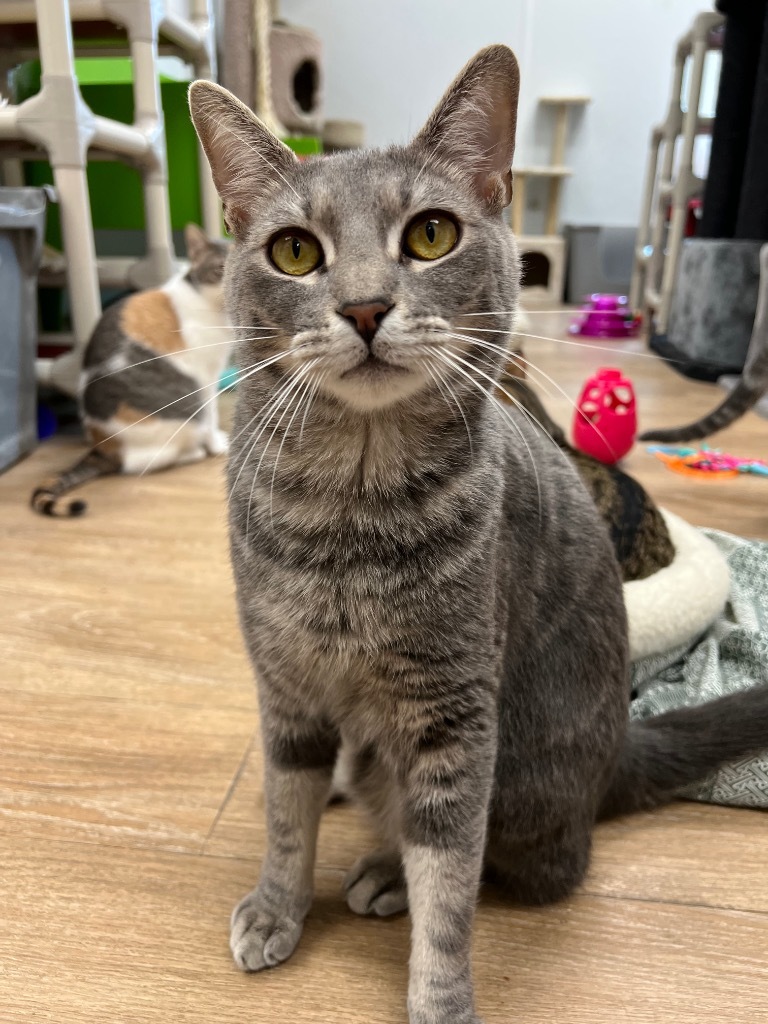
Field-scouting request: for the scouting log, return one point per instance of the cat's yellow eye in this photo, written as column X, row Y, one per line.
column 295, row 252
column 430, row 236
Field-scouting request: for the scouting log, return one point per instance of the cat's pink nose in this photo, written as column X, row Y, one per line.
column 365, row 317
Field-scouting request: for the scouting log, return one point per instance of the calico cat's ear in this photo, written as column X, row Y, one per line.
column 246, row 158
column 473, row 126
column 196, row 242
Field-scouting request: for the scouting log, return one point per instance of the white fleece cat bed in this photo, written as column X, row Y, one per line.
column 678, row 603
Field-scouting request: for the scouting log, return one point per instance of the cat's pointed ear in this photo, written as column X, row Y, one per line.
column 246, row 158
column 473, row 126
column 196, row 242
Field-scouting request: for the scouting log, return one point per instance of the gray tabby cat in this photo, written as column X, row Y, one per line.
column 434, row 590
column 752, row 385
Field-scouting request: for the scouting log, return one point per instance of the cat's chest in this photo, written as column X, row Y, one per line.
column 353, row 587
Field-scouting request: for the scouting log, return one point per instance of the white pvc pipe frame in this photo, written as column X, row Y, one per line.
column 68, row 137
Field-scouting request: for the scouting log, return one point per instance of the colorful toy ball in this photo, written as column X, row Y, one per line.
column 605, row 422
column 605, row 316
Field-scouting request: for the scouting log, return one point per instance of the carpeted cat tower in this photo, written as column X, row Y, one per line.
column 714, row 297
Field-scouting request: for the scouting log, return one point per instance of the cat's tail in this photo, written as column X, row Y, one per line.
column 751, row 386
column 45, row 499
column 661, row 755
column 734, row 405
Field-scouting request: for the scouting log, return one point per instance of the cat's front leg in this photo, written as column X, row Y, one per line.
column 298, row 764
column 445, row 806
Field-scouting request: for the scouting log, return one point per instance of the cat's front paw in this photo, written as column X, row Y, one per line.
column 264, row 931
column 453, row 1016
column 217, row 442
column 376, row 885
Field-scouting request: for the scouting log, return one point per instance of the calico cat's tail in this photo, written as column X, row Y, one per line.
column 661, row 755
column 45, row 499
column 739, row 401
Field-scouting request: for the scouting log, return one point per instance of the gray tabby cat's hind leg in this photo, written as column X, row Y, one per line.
column 376, row 885
column 541, row 870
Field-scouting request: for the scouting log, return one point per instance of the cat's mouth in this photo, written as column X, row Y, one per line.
column 373, row 368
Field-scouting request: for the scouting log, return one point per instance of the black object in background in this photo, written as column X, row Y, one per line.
column 752, row 220
column 734, row 159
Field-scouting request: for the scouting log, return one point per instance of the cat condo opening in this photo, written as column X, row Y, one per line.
column 536, row 270
column 296, row 77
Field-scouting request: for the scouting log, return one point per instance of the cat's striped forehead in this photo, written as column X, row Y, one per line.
column 353, row 195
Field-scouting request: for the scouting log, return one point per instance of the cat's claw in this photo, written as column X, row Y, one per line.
column 217, row 442
column 263, row 935
column 376, row 885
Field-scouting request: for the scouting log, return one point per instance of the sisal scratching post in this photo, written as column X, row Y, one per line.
column 263, row 12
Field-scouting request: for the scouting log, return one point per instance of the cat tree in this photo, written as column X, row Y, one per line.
column 544, row 255
column 670, row 182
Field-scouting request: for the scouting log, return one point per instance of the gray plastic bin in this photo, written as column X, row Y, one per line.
column 22, row 223
column 600, row 259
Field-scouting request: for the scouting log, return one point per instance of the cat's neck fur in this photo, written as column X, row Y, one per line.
column 343, row 462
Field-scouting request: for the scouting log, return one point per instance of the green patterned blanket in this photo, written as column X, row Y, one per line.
column 731, row 655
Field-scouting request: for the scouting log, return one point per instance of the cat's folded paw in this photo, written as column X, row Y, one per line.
column 217, row 442
column 376, row 885
column 263, row 934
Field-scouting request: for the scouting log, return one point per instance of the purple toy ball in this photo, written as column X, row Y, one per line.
column 605, row 316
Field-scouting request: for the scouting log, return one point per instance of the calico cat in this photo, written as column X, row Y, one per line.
column 414, row 581
column 153, row 362
column 752, row 385
column 639, row 534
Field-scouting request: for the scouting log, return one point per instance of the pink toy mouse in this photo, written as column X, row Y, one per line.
column 605, row 422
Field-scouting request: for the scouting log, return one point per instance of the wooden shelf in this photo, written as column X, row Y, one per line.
column 570, row 101
column 544, row 171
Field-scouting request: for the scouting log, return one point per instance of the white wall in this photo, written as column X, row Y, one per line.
column 388, row 61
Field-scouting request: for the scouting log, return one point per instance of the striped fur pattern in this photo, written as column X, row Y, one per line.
column 752, row 384
column 637, row 528
column 150, row 379
column 423, row 583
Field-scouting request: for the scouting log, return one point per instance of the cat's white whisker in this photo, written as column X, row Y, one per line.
column 306, row 387
column 533, row 419
column 505, row 352
column 631, row 353
column 451, row 358
column 312, row 397
column 515, row 357
column 290, row 396
column 250, row 372
column 164, row 355
column 266, row 362
column 440, row 382
column 515, row 312
column 264, row 415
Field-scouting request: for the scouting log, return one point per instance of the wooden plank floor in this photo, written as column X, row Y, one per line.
column 130, row 788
